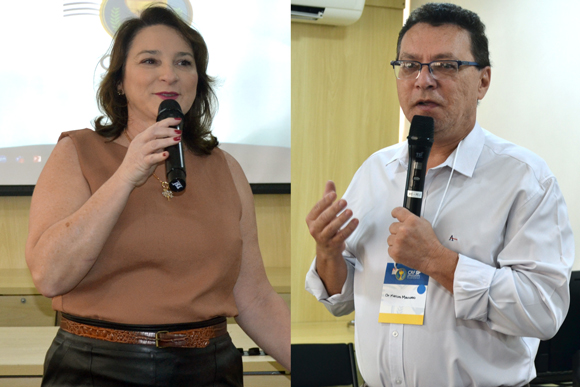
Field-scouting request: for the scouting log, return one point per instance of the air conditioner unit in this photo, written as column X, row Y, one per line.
column 330, row 12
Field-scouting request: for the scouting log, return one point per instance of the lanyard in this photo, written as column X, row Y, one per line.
column 447, row 187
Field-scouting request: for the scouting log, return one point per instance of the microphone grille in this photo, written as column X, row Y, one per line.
column 169, row 104
column 422, row 127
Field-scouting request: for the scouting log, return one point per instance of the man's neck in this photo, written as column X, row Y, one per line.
column 438, row 155
column 441, row 150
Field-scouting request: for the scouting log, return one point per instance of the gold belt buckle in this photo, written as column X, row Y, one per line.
column 157, row 338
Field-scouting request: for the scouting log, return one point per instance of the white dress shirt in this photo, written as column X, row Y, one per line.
column 505, row 216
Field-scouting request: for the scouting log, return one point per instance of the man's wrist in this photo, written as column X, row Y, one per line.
column 441, row 267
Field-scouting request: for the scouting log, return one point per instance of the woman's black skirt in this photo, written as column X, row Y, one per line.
column 80, row 361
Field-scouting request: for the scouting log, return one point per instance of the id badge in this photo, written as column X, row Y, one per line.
column 404, row 295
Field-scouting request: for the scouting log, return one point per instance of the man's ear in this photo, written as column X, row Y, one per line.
column 484, row 82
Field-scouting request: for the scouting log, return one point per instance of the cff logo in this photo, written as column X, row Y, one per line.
column 114, row 12
column 400, row 274
column 413, row 274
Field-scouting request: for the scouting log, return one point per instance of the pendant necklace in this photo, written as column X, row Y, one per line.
column 164, row 185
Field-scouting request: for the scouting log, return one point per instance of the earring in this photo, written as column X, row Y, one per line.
column 120, row 92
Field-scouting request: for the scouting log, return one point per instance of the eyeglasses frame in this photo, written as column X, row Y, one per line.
column 459, row 64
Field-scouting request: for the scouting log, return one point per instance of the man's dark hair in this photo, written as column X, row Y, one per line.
column 438, row 14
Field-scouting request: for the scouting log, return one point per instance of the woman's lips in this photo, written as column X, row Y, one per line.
column 167, row 95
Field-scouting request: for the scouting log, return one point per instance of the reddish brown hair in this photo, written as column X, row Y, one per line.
column 197, row 134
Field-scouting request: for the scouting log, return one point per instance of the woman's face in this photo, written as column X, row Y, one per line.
column 160, row 65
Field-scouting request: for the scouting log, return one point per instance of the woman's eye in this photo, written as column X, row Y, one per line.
column 148, row 61
column 184, row 62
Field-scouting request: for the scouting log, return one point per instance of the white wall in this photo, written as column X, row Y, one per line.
column 534, row 98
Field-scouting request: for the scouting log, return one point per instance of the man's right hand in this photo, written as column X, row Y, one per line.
column 326, row 227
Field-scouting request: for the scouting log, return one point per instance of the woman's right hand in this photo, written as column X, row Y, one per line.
column 147, row 150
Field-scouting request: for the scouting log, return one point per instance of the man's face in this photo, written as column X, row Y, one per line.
column 452, row 102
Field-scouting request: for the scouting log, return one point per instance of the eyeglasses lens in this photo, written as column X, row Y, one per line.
column 411, row 69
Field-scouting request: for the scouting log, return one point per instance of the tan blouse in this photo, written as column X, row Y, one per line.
column 165, row 261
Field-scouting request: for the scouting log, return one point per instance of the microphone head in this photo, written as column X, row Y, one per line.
column 422, row 128
column 169, row 108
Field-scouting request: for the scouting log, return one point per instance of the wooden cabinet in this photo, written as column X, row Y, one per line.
column 22, row 305
column 20, row 382
column 20, row 302
column 26, row 311
column 26, row 316
column 22, row 352
column 27, row 329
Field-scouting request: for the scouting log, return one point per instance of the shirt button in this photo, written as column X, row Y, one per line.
column 398, row 381
column 396, row 334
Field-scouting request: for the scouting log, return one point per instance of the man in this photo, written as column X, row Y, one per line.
column 494, row 236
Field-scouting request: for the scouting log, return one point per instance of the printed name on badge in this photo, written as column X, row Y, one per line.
column 404, row 295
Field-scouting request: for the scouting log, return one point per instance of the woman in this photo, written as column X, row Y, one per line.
column 127, row 267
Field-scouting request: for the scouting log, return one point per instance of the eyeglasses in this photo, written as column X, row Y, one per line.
column 439, row 69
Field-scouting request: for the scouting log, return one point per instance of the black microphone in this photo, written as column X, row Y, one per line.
column 420, row 141
column 174, row 164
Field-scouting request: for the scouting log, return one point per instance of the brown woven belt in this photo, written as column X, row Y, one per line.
column 191, row 338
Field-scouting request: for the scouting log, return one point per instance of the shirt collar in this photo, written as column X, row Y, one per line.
column 469, row 153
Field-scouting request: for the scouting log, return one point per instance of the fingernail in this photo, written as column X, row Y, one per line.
column 177, row 131
column 177, row 138
column 177, row 118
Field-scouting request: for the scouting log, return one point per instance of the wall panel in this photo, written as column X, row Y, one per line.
column 344, row 108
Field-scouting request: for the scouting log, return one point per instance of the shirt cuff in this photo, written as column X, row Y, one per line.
column 471, row 286
column 337, row 304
